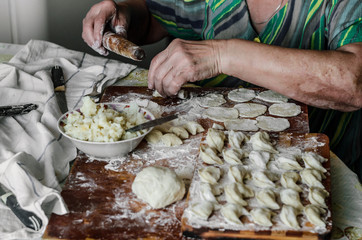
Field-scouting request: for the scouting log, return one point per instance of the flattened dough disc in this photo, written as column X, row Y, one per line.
column 221, row 113
column 241, row 125
column 271, row 96
column 284, row 109
column 250, row 110
column 241, row 95
column 272, row 124
column 211, row 100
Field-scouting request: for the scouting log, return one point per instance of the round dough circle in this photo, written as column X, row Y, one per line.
column 241, row 125
column 211, row 100
column 250, row 110
column 284, row 109
column 271, row 96
column 272, row 124
column 221, row 113
column 241, row 95
column 158, row 186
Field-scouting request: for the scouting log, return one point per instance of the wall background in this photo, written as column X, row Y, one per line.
column 57, row 21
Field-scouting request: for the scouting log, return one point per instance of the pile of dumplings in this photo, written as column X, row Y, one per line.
column 247, row 182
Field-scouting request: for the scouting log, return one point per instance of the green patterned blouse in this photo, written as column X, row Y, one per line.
column 303, row 24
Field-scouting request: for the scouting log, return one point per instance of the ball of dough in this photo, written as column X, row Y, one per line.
column 158, row 186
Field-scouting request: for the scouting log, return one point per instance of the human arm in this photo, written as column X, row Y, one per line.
column 130, row 19
column 325, row 79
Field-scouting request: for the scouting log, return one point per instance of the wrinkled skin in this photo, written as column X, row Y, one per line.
column 181, row 62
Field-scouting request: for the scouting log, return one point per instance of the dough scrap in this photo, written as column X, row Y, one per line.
column 211, row 100
column 285, row 109
column 158, row 186
column 271, row 96
column 221, row 114
column 241, row 95
column 241, row 125
column 250, row 110
column 272, row 124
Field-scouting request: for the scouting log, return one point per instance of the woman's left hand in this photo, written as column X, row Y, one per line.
column 181, row 62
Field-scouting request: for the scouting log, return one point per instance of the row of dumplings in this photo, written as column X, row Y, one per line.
column 240, row 181
column 173, row 135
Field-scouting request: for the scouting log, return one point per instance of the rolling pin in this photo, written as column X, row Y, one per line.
column 119, row 45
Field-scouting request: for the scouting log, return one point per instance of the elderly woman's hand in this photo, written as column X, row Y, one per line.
column 101, row 14
column 184, row 61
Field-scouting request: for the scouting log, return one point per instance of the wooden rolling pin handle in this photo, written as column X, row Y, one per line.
column 119, row 45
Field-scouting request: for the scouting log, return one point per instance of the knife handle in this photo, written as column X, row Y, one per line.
column 58, row 78
column 29, row 219
column 17, row 109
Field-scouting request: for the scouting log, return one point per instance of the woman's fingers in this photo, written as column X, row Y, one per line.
column 181, row 62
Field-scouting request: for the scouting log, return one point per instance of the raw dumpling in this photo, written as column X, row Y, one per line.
column 288, row 162
column 207, row 192
column 238, row 173
column 291, row 197
column 202, row 209
column 154, row 136
column 260, row 179
column 232, row 213
column 241, row 125
column 313, row 160
column 241, row 95
column 164, row 128
column 193, row 127
column 232, row 155
column 261, row 142
column 221, row 114
column 272, row 124
column 180, row 132
column 236, row 139
column 289, row 180
column 215, row 138
column 260, row 159
column 210, row 174
column 271, row 96
column 235, row 193
column 262, row 216
column 209, row 155
column 312, row 177
column 250, row 110
column 267, row 198
column 170, row 140
column 317, row 196
column 313, row 214
column 284, row 109
column 288, row 216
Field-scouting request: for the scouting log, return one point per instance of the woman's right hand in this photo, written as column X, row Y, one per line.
column 98, row 17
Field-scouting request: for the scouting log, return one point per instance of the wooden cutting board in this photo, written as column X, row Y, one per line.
column 98, row 193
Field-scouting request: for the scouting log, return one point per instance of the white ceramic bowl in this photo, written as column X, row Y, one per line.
column 107, row 149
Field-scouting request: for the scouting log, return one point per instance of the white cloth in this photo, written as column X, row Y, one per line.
column 34, row 157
